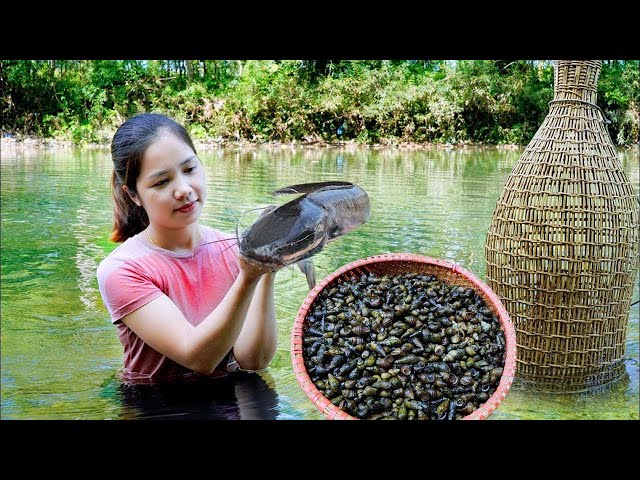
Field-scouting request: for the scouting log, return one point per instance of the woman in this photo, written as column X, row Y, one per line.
column 185, row 303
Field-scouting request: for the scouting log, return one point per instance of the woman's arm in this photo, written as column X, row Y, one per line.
column 162, row 325
column 258, row 338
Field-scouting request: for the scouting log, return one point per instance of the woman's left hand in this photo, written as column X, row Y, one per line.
column 256, row 269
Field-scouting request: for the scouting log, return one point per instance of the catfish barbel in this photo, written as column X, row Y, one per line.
column 293, row 232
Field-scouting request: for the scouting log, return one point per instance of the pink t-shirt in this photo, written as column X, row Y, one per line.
column 137, row 272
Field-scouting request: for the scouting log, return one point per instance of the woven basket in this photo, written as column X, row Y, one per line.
column 562, row 247
column 396, row 264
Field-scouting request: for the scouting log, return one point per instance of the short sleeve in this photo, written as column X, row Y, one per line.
column 125, row 289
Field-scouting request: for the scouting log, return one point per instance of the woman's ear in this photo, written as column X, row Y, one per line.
column 132, row 195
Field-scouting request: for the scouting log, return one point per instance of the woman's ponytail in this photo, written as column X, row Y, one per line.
column 128, row 218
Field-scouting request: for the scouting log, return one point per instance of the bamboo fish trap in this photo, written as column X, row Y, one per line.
column 562, row 247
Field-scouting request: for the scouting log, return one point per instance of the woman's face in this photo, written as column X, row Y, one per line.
column 171, row 185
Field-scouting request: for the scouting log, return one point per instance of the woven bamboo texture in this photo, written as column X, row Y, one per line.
column 562, row 247
column 393, row 264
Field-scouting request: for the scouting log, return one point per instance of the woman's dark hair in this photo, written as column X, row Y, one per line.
column 128, row 146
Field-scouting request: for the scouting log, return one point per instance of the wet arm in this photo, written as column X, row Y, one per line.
column 257, row 342
column 163, row 327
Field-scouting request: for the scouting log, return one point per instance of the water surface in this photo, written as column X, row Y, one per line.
column 60, row 353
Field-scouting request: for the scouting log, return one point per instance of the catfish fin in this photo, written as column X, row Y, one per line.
column 308, row 268
column 309, row 187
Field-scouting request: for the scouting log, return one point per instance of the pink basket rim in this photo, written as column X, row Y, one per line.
column 331, row 411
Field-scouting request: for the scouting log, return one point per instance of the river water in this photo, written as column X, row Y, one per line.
column 60, row 353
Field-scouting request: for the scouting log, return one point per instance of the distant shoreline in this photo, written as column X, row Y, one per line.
column 12, row 144
column 36, row 143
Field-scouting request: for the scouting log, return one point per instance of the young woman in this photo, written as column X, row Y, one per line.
column 185, row 304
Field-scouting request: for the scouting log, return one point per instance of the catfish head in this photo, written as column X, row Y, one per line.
column 286, row 235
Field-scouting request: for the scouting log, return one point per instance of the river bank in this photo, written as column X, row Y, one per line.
column 11, row 144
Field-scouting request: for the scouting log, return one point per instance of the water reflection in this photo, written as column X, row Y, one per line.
column 238, row 396
column 524, row 401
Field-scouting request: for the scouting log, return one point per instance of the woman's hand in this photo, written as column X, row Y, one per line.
column 253, row 269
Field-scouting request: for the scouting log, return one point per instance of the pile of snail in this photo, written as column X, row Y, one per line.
column 407, row 346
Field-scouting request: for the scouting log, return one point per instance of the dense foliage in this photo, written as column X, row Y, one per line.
column 480, row 101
